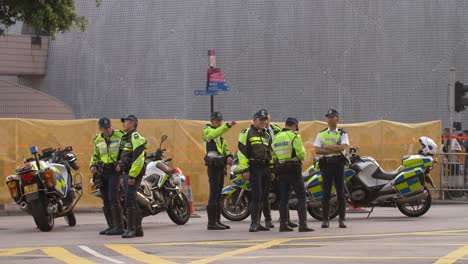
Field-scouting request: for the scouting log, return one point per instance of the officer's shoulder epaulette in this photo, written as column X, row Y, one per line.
column 136, row 134
column 245, row 130
column 342, row 131
column 325, row 129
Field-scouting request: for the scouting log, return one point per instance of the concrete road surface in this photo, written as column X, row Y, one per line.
column 441, row 236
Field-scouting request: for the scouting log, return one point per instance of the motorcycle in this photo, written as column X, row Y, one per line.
column 368, row 185
column 235, row 199
column 43, row 186
column 160, row 189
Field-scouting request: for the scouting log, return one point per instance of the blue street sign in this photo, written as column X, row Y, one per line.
column 218, row 86
column 205, row 92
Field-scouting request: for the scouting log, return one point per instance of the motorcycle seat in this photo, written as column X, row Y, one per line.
column 385, row 175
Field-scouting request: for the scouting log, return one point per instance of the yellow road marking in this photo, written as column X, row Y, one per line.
column 230, row 254
column 133, row 253
column 371, row 244
column 14, row 251
column 247, row 242
column 453, row 256
column 64, row 255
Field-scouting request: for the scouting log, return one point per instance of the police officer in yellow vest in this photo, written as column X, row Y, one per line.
column 272, row 129
column 217, row 155
column 331, row 143
column 103, row 164
column 289, row 154
column 254, row 153
column 132, row 165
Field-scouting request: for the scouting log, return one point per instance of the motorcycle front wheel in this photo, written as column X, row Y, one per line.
column 70, row 219
column 316, row 212
column 44, row 221
column 416, row 208
column 179, row 209
column 232, row 211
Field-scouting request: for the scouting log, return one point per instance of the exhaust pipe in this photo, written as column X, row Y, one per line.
column 412, row 198
column 144, row 201
column 24, row 206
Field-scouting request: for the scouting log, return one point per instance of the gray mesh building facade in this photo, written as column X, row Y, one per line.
column 369, row 59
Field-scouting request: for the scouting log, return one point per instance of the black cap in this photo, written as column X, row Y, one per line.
column 261, row 114
column 290, row 121
column 216, row 116
column 129, row 117
column 332, row 112
column 104, row 122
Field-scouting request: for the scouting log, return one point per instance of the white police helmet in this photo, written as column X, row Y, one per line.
column 429, row 147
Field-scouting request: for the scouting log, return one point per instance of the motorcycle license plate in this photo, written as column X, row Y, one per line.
column 28, row 189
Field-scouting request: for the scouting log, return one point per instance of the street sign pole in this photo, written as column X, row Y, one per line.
column 212, row 64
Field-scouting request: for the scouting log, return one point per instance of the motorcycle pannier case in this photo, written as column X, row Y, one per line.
column 407, row 182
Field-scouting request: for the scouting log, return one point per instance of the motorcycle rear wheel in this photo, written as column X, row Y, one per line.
column 70, row 218
column 416, row 208
column 316, row 212
column 44, row 221
column 234, row 212
column 179, row 209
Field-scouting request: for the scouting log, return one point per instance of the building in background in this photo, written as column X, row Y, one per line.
column 385, row 59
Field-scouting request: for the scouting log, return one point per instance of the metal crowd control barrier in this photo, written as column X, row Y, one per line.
column 453, row 175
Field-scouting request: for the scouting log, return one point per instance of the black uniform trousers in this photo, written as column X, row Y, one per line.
column 216, row 181
column 131, row 191
column 333, row 173
column 110, row 187
column 293, row 179
column 259, row 179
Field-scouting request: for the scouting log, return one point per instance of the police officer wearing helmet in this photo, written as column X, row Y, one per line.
column 288, row 154
column 132, row 165
column 331, row 143
column 217, row 155
column 254, row 153
column 103, row 164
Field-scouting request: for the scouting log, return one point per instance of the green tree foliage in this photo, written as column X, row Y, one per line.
column 50, row 16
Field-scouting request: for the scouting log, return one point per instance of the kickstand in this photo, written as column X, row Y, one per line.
column 372, row 209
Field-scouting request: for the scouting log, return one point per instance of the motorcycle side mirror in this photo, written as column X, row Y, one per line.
column 69, row 148
column 163, row 138
column 169, row 159
column 33, row 150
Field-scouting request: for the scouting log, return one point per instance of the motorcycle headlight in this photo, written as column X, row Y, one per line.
column 177, row 179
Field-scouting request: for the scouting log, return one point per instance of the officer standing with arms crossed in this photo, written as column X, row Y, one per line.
column 217, row 155
column 104, row 161
column 289, row 152
column 254, row 153
column 331, row 143
column 132, row 165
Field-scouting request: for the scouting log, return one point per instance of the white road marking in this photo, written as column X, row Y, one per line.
column 99, row 255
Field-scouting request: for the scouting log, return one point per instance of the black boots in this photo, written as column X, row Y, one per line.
column 267, row 213
column 108, row 216
column 138, row 227
column 218, row 217
column 291, row 224
column 284, row 216
column 260, row 227
column 342, row 213
column 302, row 213
column 131, row 223
column 117, row 222
column 212, row 223
column 254, row 219
column 325, row 213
